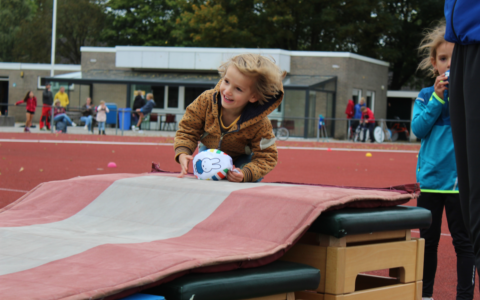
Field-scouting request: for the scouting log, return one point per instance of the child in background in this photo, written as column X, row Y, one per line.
column 145, row 110
column 59, row 114
column 31, row 102
column 233, row 117
column 102, row 111
column 436, row 168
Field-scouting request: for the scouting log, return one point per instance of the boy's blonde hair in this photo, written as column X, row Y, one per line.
column 149, row 96
column 434, row 37
column 265, row 73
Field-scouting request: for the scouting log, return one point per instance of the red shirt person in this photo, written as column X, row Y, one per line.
column 350, row 110
column 31, row 102
column 369, row 120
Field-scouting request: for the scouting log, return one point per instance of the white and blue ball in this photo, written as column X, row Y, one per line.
column 212, row 164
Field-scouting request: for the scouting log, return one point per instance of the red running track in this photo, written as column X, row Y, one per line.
column 24, row 165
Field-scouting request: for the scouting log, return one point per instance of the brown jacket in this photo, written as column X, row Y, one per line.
column 252, row 134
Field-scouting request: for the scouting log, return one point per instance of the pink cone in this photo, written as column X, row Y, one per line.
column 112, row 165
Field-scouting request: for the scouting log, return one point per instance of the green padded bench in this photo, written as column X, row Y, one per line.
column 344, row 244
column 352, row 221
column 277, row 280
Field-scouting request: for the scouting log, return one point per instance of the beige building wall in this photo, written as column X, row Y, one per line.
column 351, row 73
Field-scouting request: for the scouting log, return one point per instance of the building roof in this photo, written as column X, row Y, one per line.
column 42, row 67
column 176, row 79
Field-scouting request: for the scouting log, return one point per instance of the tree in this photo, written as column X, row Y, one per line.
column 79, row 23
column 139, row 22
column 12, row 14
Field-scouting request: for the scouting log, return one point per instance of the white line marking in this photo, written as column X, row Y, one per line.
column 444, row 234
column 348, row 149
column 10, row 190
column 171, row 144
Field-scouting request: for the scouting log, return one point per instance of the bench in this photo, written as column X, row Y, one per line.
column 276, row 281
column 344, row 243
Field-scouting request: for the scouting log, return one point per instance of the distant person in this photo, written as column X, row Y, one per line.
column 350, row 112
column 31, row 102
column 145, row 110
column 358, row 113
column 463, row 29
column 62, row 96
column 87, row 114
column 139, row 102
column 59, row 114
column 102, row 111
column 47, row 107
column 436, row 168
column 368, row 119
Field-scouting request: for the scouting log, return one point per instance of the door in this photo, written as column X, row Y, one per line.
column 3, row 97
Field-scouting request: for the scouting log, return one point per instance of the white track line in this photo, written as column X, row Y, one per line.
column 444, row 234
column 171, row 144
column 10, row 190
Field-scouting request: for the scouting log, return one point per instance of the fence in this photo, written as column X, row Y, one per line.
column 332, row 128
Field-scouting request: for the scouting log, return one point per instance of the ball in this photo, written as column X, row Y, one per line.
column 212, row 164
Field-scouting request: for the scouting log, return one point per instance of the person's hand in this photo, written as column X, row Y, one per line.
column 440, row 85
column 138, row 109
column 234, row 176
column 184, row 160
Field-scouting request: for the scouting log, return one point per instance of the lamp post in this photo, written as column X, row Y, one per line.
column 54, row 30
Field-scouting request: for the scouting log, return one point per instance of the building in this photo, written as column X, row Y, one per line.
column 317, row 82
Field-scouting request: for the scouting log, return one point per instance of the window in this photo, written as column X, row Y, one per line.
column 192, row 93
column 371, row 100
column 159, row 96
column 41, row 84
column 172, row 97
column 356, row 95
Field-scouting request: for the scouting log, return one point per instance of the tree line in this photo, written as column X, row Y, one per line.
column 389, row 30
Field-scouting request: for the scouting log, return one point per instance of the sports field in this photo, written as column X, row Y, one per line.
column 27, row 160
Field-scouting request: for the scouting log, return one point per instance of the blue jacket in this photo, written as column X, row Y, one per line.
column 358, row 112
column 463, row 21
column 436, row 167
column 148, row 107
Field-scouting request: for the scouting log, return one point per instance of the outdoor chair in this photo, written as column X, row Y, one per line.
column 170, row 120
column 289, row 124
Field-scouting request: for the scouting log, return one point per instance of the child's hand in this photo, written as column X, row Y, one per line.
column 235, row 175
column 440, row 85
column 184, row 160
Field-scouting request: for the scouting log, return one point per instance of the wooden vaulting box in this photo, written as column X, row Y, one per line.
column 345, row 243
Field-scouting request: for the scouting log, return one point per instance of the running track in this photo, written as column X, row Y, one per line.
column 29, row 159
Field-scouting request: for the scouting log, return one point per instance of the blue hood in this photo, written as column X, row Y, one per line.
column 463, row 21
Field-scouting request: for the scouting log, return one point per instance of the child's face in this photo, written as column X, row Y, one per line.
column 236, row 90
column 441, row 63
column 30, row 95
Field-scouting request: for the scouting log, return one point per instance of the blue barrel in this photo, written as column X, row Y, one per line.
column 124, row 118
column 111, row 116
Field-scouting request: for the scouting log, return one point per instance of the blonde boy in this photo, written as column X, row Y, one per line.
column 232, row 117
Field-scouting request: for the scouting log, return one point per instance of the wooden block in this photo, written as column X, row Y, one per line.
column 394, row 292
column 308, row 295
column 275, row 297
column 420, row 258
column 314, row 256
column 335, row 271
column 331, row 241
column 419, row 290
column 291, row 296
column 378, row 236
column 365, row 282
column 375, row 257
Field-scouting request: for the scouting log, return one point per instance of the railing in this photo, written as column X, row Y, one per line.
column 332, row 128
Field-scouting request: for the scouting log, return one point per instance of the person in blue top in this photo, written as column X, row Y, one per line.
column 463, row 29
column 358, row 114
column 145, row 110
column 436, row 168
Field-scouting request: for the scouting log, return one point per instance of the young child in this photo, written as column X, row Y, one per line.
column 145, row 110
column 102, row 111
column 31, row 102
column 436, row 168
column 232, row 117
